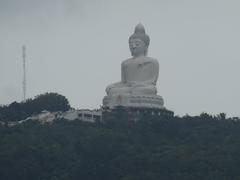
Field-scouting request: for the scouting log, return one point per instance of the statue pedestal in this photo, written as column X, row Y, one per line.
column 129, row 100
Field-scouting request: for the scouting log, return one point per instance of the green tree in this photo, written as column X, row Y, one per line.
column 48, row 101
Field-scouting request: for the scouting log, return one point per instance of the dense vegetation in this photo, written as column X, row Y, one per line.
column 19, row 111
column 203, row 147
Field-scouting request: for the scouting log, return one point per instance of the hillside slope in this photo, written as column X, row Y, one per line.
column 168, row 148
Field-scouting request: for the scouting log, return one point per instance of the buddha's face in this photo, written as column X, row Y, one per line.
column 137, row 47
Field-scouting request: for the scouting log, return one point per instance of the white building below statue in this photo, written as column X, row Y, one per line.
column 84, row 115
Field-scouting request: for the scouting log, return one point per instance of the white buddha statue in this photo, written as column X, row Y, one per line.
column 139, row 73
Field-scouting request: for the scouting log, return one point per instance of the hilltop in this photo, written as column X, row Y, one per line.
column 189, row 147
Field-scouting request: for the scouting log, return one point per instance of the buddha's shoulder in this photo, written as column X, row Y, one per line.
column 151, row 59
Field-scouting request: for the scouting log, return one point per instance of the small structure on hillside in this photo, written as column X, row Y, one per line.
column 46, row 117
column 85, row 115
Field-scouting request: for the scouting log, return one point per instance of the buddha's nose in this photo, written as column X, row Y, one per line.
column 134, row 46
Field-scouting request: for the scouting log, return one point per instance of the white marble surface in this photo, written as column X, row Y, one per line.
column 139, row 75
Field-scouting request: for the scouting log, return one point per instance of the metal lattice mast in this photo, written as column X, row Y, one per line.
column 24, row 83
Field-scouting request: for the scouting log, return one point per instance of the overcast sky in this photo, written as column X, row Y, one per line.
column 75, row 48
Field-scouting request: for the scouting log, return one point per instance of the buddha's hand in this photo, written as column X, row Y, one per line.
column 108, row 89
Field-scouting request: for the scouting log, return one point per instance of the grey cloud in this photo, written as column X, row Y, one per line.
column 76, row 47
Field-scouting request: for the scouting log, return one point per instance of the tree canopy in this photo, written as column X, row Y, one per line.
column 203, row 147
column 48, row 101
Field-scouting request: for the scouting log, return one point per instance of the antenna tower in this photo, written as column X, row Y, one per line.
column 24, row 83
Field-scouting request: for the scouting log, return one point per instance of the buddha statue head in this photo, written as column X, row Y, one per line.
column 139, row 41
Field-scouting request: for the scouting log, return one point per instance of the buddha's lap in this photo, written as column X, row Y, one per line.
column 133, row 90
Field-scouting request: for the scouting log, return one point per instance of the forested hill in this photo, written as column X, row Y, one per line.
column 158, row 148
column 18, row 111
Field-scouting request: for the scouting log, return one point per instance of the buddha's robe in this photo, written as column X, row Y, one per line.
column 139, row 77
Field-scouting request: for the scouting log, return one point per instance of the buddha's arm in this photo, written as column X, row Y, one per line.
column 123, row 73
column 118, row 84
column 155, row 71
